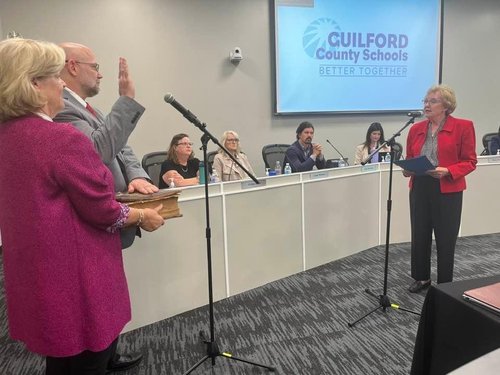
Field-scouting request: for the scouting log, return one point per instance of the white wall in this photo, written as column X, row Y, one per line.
column 182, row 46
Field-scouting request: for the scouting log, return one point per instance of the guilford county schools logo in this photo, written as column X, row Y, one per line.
column 316, row 36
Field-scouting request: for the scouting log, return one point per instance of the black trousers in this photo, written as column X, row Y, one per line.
column 433, row 211
column 85, row 363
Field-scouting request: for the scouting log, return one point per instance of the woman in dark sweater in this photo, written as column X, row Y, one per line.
column 181, row 167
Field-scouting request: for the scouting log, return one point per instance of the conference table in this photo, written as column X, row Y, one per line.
column 284, row 225
column 453, row 331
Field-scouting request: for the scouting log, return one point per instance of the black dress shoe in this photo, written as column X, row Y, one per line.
column 419, row 285
column 123, row 362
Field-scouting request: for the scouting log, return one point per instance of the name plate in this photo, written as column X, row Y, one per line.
column 317, row 175
column 369, row 168
column 250, row 184
column 494, row 159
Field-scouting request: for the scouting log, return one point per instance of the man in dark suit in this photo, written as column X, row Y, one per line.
column 303, row 155
column 109, row 134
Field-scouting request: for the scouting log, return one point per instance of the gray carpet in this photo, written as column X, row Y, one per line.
column 297, row 324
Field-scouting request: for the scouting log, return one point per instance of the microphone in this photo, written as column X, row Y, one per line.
column 169, row 98
column 415, row 114
column 335, row 148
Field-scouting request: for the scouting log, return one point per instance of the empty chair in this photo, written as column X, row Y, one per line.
column 210, row 160
column 398, row 150
column 486, row 144
column 151, row 163
column 273, row 153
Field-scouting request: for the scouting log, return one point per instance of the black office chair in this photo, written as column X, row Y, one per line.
column 151, row 163
column 273, row 153
column 210, row 160
column 486, row 142
column 398, row 150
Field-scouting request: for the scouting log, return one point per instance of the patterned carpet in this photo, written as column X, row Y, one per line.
column 297, row 324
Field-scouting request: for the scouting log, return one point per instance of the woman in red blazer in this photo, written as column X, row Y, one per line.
column 436, row 198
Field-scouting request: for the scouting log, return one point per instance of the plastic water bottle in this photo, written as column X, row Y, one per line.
column 171, row 183
column 498, row 151
column 201, row 173
column 215, row 177
column 277, row 168
column 288, row 169
column 267, row 171
column 388, row 157
column 342, row 163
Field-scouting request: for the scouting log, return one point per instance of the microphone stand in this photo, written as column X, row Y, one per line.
column 213, row 351
column 383, row 299
column 338, row 152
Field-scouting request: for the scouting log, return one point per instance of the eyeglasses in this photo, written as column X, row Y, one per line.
column 234, row 140
column 185, row 144
column 94, row 66
column 431, row 101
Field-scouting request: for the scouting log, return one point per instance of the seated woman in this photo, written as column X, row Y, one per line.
column 181, row 167
column 226, row 168
column 374, row 138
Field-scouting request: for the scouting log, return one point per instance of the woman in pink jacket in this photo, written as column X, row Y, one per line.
column 436, row 198
column 67, row 296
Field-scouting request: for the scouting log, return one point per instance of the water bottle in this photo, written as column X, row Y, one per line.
column 288, row 169
column 498, row 151
column 267, row 171
column 277, row 168
column 388, row 158
column 171, row 183
column 215, row 177
column 201, row 173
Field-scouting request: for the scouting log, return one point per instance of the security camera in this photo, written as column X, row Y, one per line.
column 235, row 55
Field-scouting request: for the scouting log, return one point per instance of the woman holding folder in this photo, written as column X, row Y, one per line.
column 436, row 197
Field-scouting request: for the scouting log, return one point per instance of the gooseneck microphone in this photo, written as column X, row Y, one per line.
column 338, row 152
column 169, row 98
column 415, row 114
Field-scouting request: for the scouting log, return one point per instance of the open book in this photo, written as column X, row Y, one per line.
column 167, row 197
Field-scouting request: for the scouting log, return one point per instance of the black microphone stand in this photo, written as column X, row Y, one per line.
column 383, row 299
column 213, row 351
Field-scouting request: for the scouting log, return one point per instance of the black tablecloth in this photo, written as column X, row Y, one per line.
column 453, row 331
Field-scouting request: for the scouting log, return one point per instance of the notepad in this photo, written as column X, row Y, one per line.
column 487, row 296
column 418, row 165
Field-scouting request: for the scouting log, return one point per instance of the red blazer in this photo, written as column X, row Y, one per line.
column 456, row 150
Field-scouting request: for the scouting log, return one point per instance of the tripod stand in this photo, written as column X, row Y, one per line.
column 212, row 350
column 383, row 299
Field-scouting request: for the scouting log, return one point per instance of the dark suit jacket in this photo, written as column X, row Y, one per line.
column 299, row 162
column 110, row 135
column 456, row 150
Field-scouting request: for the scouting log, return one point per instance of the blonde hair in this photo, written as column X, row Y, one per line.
column 21, row 61
column 447, row 95
column 223, row 139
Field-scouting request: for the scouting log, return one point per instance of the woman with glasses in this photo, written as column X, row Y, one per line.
column 226, row 168
column 436, row 197
column 66, row 291
column 181, row 167
column 374, row 138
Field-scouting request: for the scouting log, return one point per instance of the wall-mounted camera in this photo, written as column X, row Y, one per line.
column 235, row 55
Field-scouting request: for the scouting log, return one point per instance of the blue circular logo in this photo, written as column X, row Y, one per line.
column 316, row 36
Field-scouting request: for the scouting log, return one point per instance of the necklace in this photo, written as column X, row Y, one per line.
column 185, row 170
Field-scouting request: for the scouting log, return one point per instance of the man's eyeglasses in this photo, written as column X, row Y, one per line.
column 234, row 140
column 431, row 101
column 94, row 66
column 185, row 144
